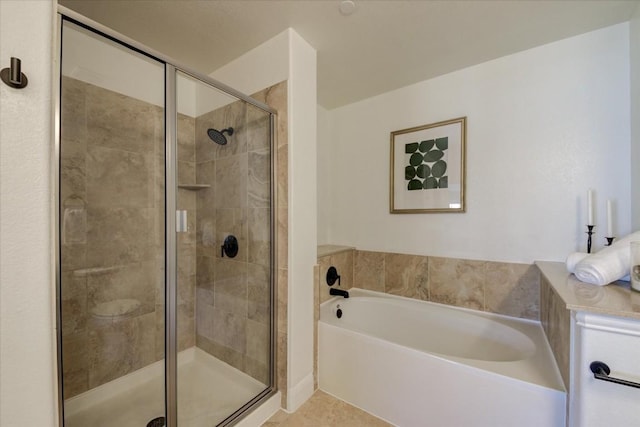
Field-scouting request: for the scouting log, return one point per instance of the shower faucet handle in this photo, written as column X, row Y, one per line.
column 332, row 276
column 230, row 247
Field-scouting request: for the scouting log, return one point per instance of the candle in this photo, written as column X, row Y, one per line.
column 590, row 207
column 609, row 220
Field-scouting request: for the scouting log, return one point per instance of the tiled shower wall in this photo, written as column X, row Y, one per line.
column 112, row 233
column 112, row 193
column 233, row 293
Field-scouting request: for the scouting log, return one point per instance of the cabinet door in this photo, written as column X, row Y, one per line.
column 616, row 342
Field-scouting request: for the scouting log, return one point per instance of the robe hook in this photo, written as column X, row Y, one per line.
column 13, row 76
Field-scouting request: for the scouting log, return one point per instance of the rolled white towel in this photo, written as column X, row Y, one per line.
column 609, row 264
column 573, row 259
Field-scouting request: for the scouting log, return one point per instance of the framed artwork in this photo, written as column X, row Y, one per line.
column 427, row 168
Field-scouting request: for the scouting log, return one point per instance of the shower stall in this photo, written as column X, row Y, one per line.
column 166, row 283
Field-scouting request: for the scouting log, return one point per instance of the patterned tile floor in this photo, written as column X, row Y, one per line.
column 323, row 410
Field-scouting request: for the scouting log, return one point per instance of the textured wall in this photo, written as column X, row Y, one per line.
column 544, row 125
column 27, row 350
column 634, row 46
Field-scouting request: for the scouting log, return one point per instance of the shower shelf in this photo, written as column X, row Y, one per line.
column 194, row 187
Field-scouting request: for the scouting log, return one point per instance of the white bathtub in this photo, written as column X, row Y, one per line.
column 417, row 363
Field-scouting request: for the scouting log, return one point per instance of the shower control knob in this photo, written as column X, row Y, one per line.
column 230, row 247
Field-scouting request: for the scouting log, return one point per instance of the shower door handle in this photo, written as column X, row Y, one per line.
column 181, row 221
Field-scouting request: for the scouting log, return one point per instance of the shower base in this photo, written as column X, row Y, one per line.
column 208, row 391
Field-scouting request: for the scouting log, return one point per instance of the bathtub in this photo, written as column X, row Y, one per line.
column 415, row 363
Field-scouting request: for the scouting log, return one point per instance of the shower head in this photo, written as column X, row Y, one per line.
column 218, row 137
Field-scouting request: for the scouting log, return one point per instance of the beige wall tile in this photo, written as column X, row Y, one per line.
column 231, row 182
column 282, row 300
column 283, row 174
column 512, row 289
column 186, row 138
column 323, row 265
column 556, row 322
column 457, row 282
column 259, row 296
column 283, row 237
column 259, row 179
column 282, row 364
column 407, row 275
column 258, row 130
column 369, row 270
column 259, row 236
column 205, row 149
column 75, row 364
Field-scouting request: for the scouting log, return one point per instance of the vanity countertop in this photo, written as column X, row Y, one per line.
column 615, row 299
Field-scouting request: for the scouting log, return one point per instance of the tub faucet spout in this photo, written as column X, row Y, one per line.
column 340, row 292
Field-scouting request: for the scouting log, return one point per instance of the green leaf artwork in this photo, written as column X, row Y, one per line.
column 411, row 148
column 439, row 168
column 426, row 164
column 442, row 143
column 414, row 184
column 409, row 173
column 426, row 145
column 415, row 159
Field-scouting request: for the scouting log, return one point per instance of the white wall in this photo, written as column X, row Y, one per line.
column 27, row 355
column 324, row 176
column 289, row 57
column 544, row 126
column 634, row 38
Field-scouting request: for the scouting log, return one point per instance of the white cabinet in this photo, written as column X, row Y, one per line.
column 616, row 342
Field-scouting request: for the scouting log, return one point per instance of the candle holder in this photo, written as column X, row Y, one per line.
column 609, row 240
column 589, row 234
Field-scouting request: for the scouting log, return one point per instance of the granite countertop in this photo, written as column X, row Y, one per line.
column 614, row 299
column 326, row 250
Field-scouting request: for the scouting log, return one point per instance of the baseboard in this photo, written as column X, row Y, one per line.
column 300, row 393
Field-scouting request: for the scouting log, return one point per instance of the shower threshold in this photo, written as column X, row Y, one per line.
column 209, row 390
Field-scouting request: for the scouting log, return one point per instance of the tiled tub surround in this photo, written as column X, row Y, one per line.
column 504, row 288
column 113, row 235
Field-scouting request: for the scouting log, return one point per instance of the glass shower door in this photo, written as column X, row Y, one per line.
column 112, row 228
column 223, row 254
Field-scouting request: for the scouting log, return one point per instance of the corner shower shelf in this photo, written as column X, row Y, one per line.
column 194, row 187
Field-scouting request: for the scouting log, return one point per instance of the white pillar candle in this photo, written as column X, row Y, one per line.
column 590, row 207
column 609, row 220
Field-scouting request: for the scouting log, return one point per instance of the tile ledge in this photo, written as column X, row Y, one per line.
column 326, row 250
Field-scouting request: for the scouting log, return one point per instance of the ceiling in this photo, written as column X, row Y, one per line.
column 383, row 45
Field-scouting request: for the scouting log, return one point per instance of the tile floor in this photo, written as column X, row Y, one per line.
column 323, row 410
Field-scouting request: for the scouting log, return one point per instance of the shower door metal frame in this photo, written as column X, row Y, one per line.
column 170, row 117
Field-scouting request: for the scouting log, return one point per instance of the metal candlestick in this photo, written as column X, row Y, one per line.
column 609, row 240
column 589, row 233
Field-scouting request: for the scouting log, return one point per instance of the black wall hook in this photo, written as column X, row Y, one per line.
column 13, row 76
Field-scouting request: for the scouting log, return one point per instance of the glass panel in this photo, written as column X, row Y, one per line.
column 112, row 227
column 224, row 310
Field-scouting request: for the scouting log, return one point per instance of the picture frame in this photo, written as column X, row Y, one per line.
column 428, row 169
